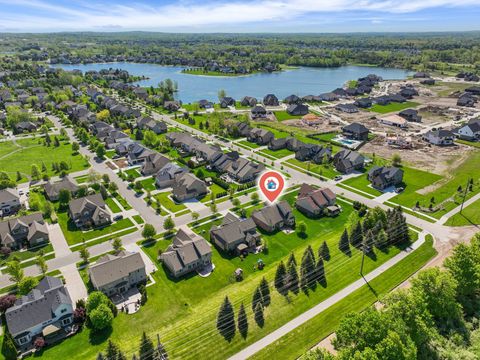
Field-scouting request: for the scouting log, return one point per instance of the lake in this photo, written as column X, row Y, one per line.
column 300, row 81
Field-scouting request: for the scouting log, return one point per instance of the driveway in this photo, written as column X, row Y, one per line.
column 58, row 241
column 75, row 285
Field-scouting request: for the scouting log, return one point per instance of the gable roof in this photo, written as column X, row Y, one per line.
column 111, row 268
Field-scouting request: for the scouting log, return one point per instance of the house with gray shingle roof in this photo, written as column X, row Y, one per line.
column 116, row 274
column 385, row 176
column 48, row 307
column 187, row 186
column 470, row 131
column 9, row 202
column 260, row 136
column 153, row 163
column 165, row 177
column 52, row 190
column 346, row 161
column 235, row 235
column 188, row 252
column 315, row 202
column 274, row 217
column 89, row 211
column 28, row 230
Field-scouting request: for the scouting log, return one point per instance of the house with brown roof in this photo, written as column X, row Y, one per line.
column 89, row 211
column 316, row 202
column 187, row 186
column 52, row 190
column 154, row 162
column 274, row 217
column 30, row 230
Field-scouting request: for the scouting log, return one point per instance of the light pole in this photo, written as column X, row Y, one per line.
column 464, row 195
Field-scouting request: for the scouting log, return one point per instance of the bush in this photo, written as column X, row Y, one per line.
column 101, row 317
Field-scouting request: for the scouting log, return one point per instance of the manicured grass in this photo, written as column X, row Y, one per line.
column 239, row 106
column 306, row 336
column 138, row 219
column 215, row 189
column 278, row 154
column 469, row 216
column 81, row 179
column 32, row 151
column 361, row 183
column 110, row 154
column 283, row 115
column 113, row 205
column 104, row 238
column 168, row 203
column 148, row 184
column 122, row 201
column 325, row 170
column 248, row 144
column 469, row 143
column 132, row 172
column 27, row 253
column 384, row 109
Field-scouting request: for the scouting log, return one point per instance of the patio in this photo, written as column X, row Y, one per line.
column 128, row 302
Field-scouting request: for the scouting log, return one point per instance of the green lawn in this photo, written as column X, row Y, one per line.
column 113, row 205
column 309, row 334
column 132, row 172
column 248, row 144
column 174, row 307
column 81, row 179
column 469, row 143
column 148, row 184
column 122, row 201
column 283, row 115
column 361, row 183
column 32, row 151
column 166, row 202
column 278, row 154
column 384, row 109
column 27, row 253
column 110, row 154
column 215, row 189
column 138, row 219
column 469, row 216
column 325, row 170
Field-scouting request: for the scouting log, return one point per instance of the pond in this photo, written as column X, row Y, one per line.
column 299, row 81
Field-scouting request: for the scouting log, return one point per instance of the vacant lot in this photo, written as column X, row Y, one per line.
column 384, row 109
column 469, row 216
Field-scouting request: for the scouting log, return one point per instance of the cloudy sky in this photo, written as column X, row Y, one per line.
column 239, row 15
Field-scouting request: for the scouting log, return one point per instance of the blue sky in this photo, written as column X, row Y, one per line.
column 239, row 15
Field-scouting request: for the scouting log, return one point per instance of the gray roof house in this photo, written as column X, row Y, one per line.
column 439, row 137
column 185, row 143
column 258, row 112
column 148, row 123
column 297, row 109
column 234, row 235
column 239, row 129
column 249, row 101
column 356, row 131
column 244, row 170
column 270, row 100
column 165, row 177
column 383, row 177
column 9, row 202
column 30, row 229
column 188, row 252
column 153, row 163
column 47, row 308
column 52, row 190
column 89, row 211
column 116, row 274
column 470, row 131
column 187, row 186
column 260, row 136
column 137, row 153
column 314, row 202
column 274, row 217
column 346, row 161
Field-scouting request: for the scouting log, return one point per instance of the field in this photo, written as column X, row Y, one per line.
column 175, row 307
column 278, row 154
column 283, row 115
column 384, row 109
column 32, row 151
column 327, row 171
column 469, row 216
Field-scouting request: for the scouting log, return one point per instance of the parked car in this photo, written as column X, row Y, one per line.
column 118, row 217
column 338, row 178
column 399, row 190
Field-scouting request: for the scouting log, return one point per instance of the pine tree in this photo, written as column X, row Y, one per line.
column 404, row 235
column 307, row 271
column 324, row 251
column 356, row 237
column 257, row 297
column 368, row 242
column 161, row 352
column 242, row 321
column 292, row 278
column 291, row 260
column 146, row 348
column 381, row 239
column 280, row 278
column 226, row 320
column 258, row 314
column 265, row 291
column 100, row 356
column 112, row 351
column 344, row 244
column 320, row 272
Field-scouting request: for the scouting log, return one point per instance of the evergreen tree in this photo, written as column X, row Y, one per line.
column 226, row 320
column 258, row 314
column 292, row 278
column 291, row 260
column 368, row 242
column 161, row 352
column 356, row 237
column 381, row 239
column 257, row 298
column 265, row 291
column 112, row 351
column 242, row 321
column 100, row 356
column 280, row 278
column 324, row 251
column 320, row 272
column 307, row 271
column 344, row 244
column 404, row 234
column 146, row 348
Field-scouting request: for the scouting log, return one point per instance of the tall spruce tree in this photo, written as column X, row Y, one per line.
column 226, row 320
column 291, row 260
column 280, row 279
column 265, row 291
column 242, row 321
column 324, row 251
column 147, row 350
column 307, row 271
column 344, row 244
column 356, row 237
column 381, row 240
column 320, row 272
column 257, row 298
column 368, row 242
column 292, row 279
column 258, row 314
column 161, row 352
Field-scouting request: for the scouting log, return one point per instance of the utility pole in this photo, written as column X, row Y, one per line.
column 363, row 260
column 464, row 195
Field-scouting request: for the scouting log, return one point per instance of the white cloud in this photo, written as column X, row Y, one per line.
column 188, row 14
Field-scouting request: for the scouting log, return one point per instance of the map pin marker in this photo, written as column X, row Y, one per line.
column 271, row 184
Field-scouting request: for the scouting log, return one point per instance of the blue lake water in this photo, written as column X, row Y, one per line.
column 301, row 81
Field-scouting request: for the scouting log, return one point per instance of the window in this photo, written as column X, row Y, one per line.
column 63, row 310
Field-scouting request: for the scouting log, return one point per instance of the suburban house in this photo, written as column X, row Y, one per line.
column 148, row 123
column 346, row 161
column 470, row 132
column 187, row 186
column 385, row 176
column 24, row 126
column 172, row 106
column 260, row 136
column 235, row 235
column 115, row 137
column 394, row 120
column 249, row 101
column 466, row 100
column 185, row 143
column 116, row 274
column 330, row 96
column 165, row 177
column 137, row 154
column 274, row 217
column 226, row 102
column 297, row 109
column 258, row 112
column 316, row 202
column 363, row 103
column 46, row 311
column 410, row 115
column 421, row 75
column 205, row 104
column 355, row 131
column 346, row 108
column 239, row 129
column 153, row 163
column 243, row 170
column 439, row 137
column 9, row 202
column 52, row 190
column 188, row 252
column 29, row 229
column 408, row 92
column 277, row 144
column 270, row 100
column 89, row 211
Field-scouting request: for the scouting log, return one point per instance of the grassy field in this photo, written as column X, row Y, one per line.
column 468, row 143
column 278, row 154
column 469, row 216
column 306, row 336
column 283, row 115
column 361, row 183
column 384, row 109
column 27, row 254
column 133, row 172
column 326, row 170
column 32, row 151
column 166, row 202
column 449, row 87
column 176, row 306
column 248, row 144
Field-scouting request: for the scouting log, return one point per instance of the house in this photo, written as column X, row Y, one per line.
column 346, row 108
column 115, row 137
column 188, row 252
column 260, row 136
column 421, row 75
column 205, row 153
column 29, row 230
column 45, row 311
column 172, row 106
column 249, row 101
column 293, row 144
column 116, row 274
column 148, row 123
column 226, row 102
column 316, row 202
column 141, row 93
column 428, row 82
column 439, row 137
column 25, row 126
column 205, row 104
column 183, row 142
column 89, row 211
column 385, row 176
column 470, row 131
column 307, row 151
column 346, row 161
column 410, row 115
column 311, row 120
column 311, row 98
column 187, row 186
column 52, row 190
column 239, row 129
column 9, row 202
column 235, row 235
column 399, row 141
column 466, row 100
column 329, row 96
column 243, row 170
column 356, row 131
column 277, row 144
column 292, row 99
column 153, row 163
column 474, row 90
column 137, row 154
column 408, row 92
column 394, row 120
column 258, row 112
column 274, row 217
column 297, row 109
column 363, row 103
column 270, row 100
column 165, row 177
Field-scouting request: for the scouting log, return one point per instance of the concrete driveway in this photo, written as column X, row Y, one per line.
column 59, row 243
column 75, row 285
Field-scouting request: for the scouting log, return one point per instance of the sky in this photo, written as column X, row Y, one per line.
column 287, row 16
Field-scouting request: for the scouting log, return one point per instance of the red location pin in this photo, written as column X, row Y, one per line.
column 271, row 184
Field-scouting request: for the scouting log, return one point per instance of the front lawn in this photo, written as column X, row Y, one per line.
column 112, row 205
column 283, row 115
column 248, row 144
column 122, row 201
column 325, row 170
column 278, row 154
column 166, row 202
column 27, row 253
column 384, row 109
column 148, row 184
column 132, row 173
